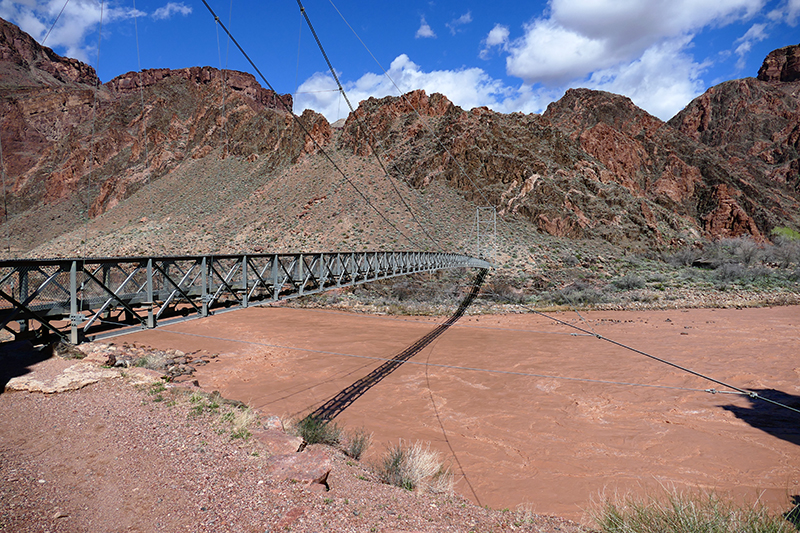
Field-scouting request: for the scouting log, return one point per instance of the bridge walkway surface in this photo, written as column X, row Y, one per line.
column 80, row 299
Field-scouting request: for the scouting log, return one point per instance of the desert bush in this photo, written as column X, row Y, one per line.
column 628, row 282
column 784, row 252
column 731, row 272
column 502, row 288
column 569, row 259
column 578, row 293
column 357, row 442
column 415, row 467
column 152, row 361
column 742, row 250
column 684, row 257
column 316, row 431
column 242, row 420
column 679, row 513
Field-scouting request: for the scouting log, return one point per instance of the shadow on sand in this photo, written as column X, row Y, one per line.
column 773, row 419
column 341, row 401
column 16, row 357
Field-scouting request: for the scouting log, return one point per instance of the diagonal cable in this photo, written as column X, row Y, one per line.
column 368, row 134
column 305, row 129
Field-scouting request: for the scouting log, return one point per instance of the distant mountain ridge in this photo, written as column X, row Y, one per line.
column 593, row 165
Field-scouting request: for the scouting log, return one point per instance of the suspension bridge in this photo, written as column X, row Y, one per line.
column 88, row 299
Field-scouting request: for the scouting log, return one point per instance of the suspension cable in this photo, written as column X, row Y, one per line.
column 454, row 367
column 305, row 129
column 58, row 17
column 5, row 199
column 735, row 389
column 368, row 134
column 461, row 169
column 148, row 185
column 88, row 194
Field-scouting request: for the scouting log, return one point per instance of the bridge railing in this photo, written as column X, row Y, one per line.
column 78, row 299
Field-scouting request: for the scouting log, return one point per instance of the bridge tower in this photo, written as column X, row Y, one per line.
column 486, row 232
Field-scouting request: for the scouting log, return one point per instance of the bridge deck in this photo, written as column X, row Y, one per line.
column 78, row 299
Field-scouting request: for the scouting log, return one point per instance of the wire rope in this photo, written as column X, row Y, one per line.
column 5, row 199
column 88, row 194
column 148, row 185
column 368, row 134
column 751, row 394
column 461, row 169
column 454, row 367
column 441, row 425
column 305, row 130
column 58, row 17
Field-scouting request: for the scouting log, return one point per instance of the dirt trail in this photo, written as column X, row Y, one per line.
column 521, row 437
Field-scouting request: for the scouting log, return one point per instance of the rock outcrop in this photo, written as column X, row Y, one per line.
column 781, row 65
column 24, row 63
column 67, row 138
column 592, row 165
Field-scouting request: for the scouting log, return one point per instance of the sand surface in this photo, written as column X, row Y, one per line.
column 520, row 420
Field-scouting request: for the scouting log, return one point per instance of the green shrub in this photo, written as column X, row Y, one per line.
column 316, row 431
column 357, row 443
column 628, row 282
column 415, row 467
column 578, row 293
column 679, row 513
column 786, row 233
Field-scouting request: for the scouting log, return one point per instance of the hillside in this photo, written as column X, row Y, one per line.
column 199, row 160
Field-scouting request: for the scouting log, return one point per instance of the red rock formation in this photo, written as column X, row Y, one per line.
column 23, row 62
column 64, row 135
column 781, row 65
column 238, row 82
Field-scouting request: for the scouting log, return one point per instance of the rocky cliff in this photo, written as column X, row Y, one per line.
column 593, row 165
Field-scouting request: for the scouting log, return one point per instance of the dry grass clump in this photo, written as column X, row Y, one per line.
column 415, row 467
column 316, row 431
column 357, row 442
column 682, row 513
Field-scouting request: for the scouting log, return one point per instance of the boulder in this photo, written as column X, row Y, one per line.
column 310, row 467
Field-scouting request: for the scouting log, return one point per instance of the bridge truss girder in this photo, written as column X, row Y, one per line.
column 85, row 299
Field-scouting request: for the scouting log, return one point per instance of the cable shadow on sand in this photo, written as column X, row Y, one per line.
column 342, row 400
column 773, row 419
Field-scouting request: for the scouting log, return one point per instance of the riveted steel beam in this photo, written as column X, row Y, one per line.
column 90, row 298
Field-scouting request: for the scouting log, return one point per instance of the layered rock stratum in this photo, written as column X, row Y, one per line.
column 201, row 160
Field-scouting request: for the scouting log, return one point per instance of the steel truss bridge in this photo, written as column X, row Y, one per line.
column 83, row 299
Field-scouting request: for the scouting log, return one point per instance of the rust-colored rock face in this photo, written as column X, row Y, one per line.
column 24, row 62
column 754, row 124
column 66, row 136
column 781, row 65
column 592, row 166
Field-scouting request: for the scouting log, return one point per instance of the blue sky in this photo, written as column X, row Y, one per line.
column 507, row 55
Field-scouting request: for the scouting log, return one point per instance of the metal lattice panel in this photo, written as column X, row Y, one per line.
column 78, row 299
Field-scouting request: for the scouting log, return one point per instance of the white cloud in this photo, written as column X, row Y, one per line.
column 172, row 8
column 497, row 38
column 662, row 81
column 74, row 29
column 642, row 23
column 789, row 12
column 755, row 34
column 583, row 36
column 553, row 55
column 792, row 11
column 455, row 24
column 424, row 31
column 467, row 88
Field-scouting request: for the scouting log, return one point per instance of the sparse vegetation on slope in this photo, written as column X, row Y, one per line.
column 687, row 513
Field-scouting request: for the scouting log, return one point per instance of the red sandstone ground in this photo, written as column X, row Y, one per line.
column 109, row 458
column 520, row 437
